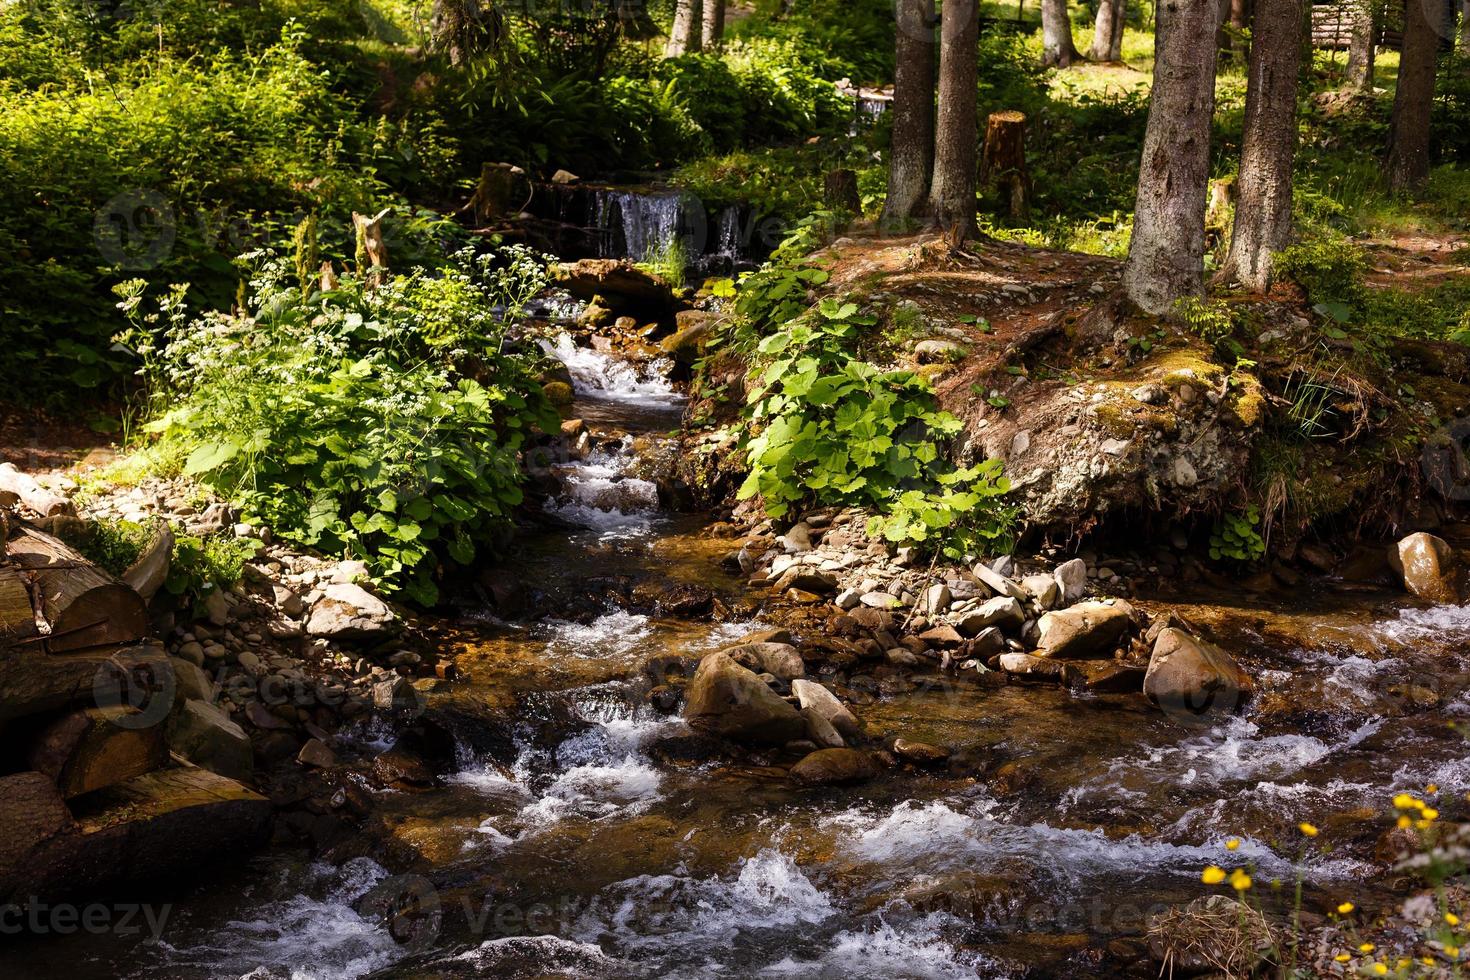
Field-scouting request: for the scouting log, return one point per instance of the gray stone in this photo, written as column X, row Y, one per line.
column 207, row 737
column 346, row 611
column 1044, row 589
column 1002, row 611
column 813, row 696
column 1088, row 629
column 998, row 583
column 1071, row 578
column 780, row 660
column 820, row 730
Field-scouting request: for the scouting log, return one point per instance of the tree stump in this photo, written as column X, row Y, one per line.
column 1003, row 165
column 94, row 748
column 83, row 605
column 44, row 502
column 372, row 251
column 840, row 192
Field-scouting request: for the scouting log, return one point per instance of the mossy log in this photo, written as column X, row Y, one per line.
column 82, row 605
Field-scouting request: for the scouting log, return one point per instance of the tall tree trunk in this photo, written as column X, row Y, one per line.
column 714, row 25
column 911, row 158
column 1362, row 45
column 957, row 133
column 1465, row 29
column 1166, row 257
column 685, row 36
column 1232, row 28
column 1057, row 48
column 1268, row 147
column 1107, row 31
column 1408, row 140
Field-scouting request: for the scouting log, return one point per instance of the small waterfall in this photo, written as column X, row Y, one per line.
column 643, row 225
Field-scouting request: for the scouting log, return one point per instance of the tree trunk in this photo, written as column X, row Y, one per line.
column 1232, row 29
column 1166, row 257
column 32, row 494
column 84, row 606
column 1004, row 161
column 713, row 32
column 1408, row 141
column 911, row 157
column 952, row 192
column 1057, row 48
column 840, row 192
column 17, row 614
column 1465, row 29
column 1268, row 145
column 1107, row 31
column 685, row 36
column 1362, row 46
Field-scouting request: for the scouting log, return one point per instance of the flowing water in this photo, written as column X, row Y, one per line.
column 602, row 845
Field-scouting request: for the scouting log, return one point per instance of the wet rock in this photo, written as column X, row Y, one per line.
column 315, row 754
column 820, row 730
column 207, row 737
column 815, row 697
column 1426, row 565
column 686, row 345
column 1192, row 678
column 780, row 660
column 1088, row 629
column 939, row 352
column 1032, row 667
column 942, row 636
column 834, row 767
column 395, row 693
column 1104, row 677
column 806, row 579
column 349, row 612
column 727, row 700
column 919, row 753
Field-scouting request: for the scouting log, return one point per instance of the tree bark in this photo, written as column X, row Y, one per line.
column 1004, row 161
column 1166, row 256
column 952, row 192
column 1465, row 29
column 713, row 31
column 1232, row 30
column 1057, row 47
column 1268, row 145
column 1407, row 166
column 94, row 748
column 911, row 156
column 1107, row 31
column 17, row 614
column 688, row 27
column 84, row 606
column 840, row 191
column 1362, row 45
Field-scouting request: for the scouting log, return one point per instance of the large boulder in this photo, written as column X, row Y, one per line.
column 829, row 767
column 617, row 280
column 1088, row 629
column 205, row 735
column 727, row 700
column 780, row 660
column 1191, row 678
column 1428, row 568
column 347, row 611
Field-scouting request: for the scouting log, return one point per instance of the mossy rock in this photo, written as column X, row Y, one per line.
column 560, row 394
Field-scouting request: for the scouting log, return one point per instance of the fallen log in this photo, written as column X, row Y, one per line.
column 94, row 748
column 82, row 605
column 17, row 614
column 147, row 575
column 45, row 502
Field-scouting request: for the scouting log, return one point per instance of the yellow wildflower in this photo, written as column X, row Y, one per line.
column 1452, row 918
column 1453, row 952
column 1406, row 802
column 1239, row 880
column 1344, row 908
column 1308, row 829
column 1343, row 957
column 1380, row 969
column 1212, row 875
column 1232, row 843
column 1431, row 789
column 1367, row 948
column 1430, row 813
column 1405, row 823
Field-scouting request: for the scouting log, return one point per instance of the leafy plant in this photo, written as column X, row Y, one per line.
column 1328, row 267
column 1235, row 537
column 837, row 429
column 378, row 423
column 1209, row 320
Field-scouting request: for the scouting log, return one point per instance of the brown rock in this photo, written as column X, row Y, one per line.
column 831, row 767
column 728, row 700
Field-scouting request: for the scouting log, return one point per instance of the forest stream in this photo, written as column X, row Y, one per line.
column 602, row 848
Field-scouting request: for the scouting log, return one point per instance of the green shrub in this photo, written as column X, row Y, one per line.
column 381, row 424
column 197, row 565
column 1328, row 268
column 1236, row 538
column 835, row 429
